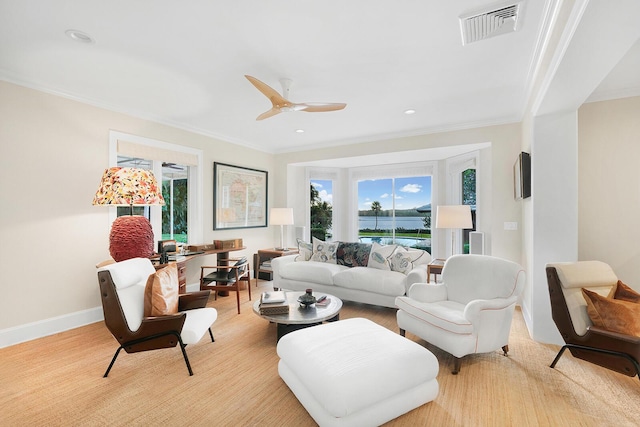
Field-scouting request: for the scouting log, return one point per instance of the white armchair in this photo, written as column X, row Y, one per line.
column 470, row 311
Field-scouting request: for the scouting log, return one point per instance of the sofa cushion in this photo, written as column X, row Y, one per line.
column 311, row 271
column 379, row 257
column 353, row 254
column 372, row 280
column 305, row 250
column 403, row 260
column 324, row 251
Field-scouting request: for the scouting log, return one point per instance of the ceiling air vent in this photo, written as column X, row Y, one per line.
column 480, row 25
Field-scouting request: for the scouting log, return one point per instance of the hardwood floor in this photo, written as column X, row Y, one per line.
column 57, row 381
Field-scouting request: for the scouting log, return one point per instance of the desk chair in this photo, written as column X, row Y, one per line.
column 226, row 277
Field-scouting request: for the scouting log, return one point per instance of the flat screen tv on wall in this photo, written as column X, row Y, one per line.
column 522, row 176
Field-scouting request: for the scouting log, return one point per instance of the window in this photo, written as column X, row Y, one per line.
column 179, row 169
column 469, row 198
column 395, row 210
column 321, row 209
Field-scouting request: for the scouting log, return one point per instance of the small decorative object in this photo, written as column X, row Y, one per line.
column 307, row 299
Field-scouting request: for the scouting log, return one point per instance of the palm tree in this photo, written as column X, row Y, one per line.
column 376, row 207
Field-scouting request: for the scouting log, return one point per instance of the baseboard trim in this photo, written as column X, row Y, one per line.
column 46, row 327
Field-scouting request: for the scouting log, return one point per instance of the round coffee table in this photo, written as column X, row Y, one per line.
column 302, row 317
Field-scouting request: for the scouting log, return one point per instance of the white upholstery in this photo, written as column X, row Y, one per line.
column 130, row 278
column 355, row 372
column 470, row 311
column 361, row 284
column 596, row 276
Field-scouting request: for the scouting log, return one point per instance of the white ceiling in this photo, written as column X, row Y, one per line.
column 183, row 63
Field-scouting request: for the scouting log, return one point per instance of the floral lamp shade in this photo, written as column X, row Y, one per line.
column 127, row 187
column 131, row 236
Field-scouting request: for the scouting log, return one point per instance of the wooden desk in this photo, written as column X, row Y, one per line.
column 182, row 260
column 435, row 267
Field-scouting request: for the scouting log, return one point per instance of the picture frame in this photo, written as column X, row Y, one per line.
column 239, row 197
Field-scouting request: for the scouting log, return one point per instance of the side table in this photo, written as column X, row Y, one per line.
column 435, row 267
column 261, row 267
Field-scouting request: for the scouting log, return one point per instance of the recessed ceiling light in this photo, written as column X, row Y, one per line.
column 410, row 111
column 79, row 36
column 300, row 130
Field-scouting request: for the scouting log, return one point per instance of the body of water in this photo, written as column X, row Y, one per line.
column 386, row 223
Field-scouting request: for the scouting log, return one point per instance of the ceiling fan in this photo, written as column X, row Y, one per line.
column 282, row 104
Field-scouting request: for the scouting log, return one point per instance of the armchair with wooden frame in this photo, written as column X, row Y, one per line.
column 612, row 350
column 225, row 277
column 122, row 289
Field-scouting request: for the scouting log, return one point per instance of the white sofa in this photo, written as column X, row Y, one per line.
column 361, row 284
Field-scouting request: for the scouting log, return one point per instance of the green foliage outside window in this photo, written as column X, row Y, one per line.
column 179, row 207
column 321, row 215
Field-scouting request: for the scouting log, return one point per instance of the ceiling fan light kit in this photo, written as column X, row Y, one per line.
column 281, row 104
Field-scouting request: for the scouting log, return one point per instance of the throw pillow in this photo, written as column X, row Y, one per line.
column 305, row 250
column 623, row 292
column 161, row 292
column 379, row 256
column 353, row 254
column 612, row 314
column 402, row 260
column 324, row 251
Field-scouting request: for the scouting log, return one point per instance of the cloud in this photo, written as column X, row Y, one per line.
column 411, row 188
column 384, row 196
column 399, row 197
column 316, row 184
column 325, row 197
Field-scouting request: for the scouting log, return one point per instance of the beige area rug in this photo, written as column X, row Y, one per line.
column 57, row 381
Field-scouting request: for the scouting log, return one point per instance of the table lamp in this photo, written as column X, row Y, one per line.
column 453, row 217
column 131, row 236
column 281, row 217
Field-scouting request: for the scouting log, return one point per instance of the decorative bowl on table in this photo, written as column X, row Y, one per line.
column 306, row 300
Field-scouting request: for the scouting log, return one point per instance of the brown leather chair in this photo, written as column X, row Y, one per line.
column 122, row 287
column 226, row 277
column 585, row 341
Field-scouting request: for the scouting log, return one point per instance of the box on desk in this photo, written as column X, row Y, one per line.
column 228, row 244
column 203, row 247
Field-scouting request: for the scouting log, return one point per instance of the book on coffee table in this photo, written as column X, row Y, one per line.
column 273, row 303
column 273, row 297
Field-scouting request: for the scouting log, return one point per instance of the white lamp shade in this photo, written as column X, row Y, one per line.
column 454, row 216
column 281, row 216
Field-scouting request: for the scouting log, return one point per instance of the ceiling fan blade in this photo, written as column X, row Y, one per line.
column 272, row 112
column 317, row 107
column 276, row 99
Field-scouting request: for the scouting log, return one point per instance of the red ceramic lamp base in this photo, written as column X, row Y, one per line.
column 130, row 237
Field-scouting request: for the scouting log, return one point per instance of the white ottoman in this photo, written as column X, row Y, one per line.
column 354, row 372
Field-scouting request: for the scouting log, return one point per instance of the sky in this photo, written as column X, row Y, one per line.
column 410, row 192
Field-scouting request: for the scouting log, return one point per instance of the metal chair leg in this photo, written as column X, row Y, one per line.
column 211, row 335
column 115, row 356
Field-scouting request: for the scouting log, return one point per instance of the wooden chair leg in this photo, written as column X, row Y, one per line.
column 456, row 365
column 402, row 332
column 505, row 350
column 238, row 296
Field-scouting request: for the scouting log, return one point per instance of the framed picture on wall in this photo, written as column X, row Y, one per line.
column 239, row 197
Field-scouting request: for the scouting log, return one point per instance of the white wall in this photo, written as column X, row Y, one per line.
column 609, row 192
column 53, row 153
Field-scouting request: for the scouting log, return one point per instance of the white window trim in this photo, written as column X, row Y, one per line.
column 195, row 212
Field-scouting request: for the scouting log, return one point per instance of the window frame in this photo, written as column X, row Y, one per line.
column 195, row 231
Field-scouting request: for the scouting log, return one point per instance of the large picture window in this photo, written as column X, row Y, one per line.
column 395, row 210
